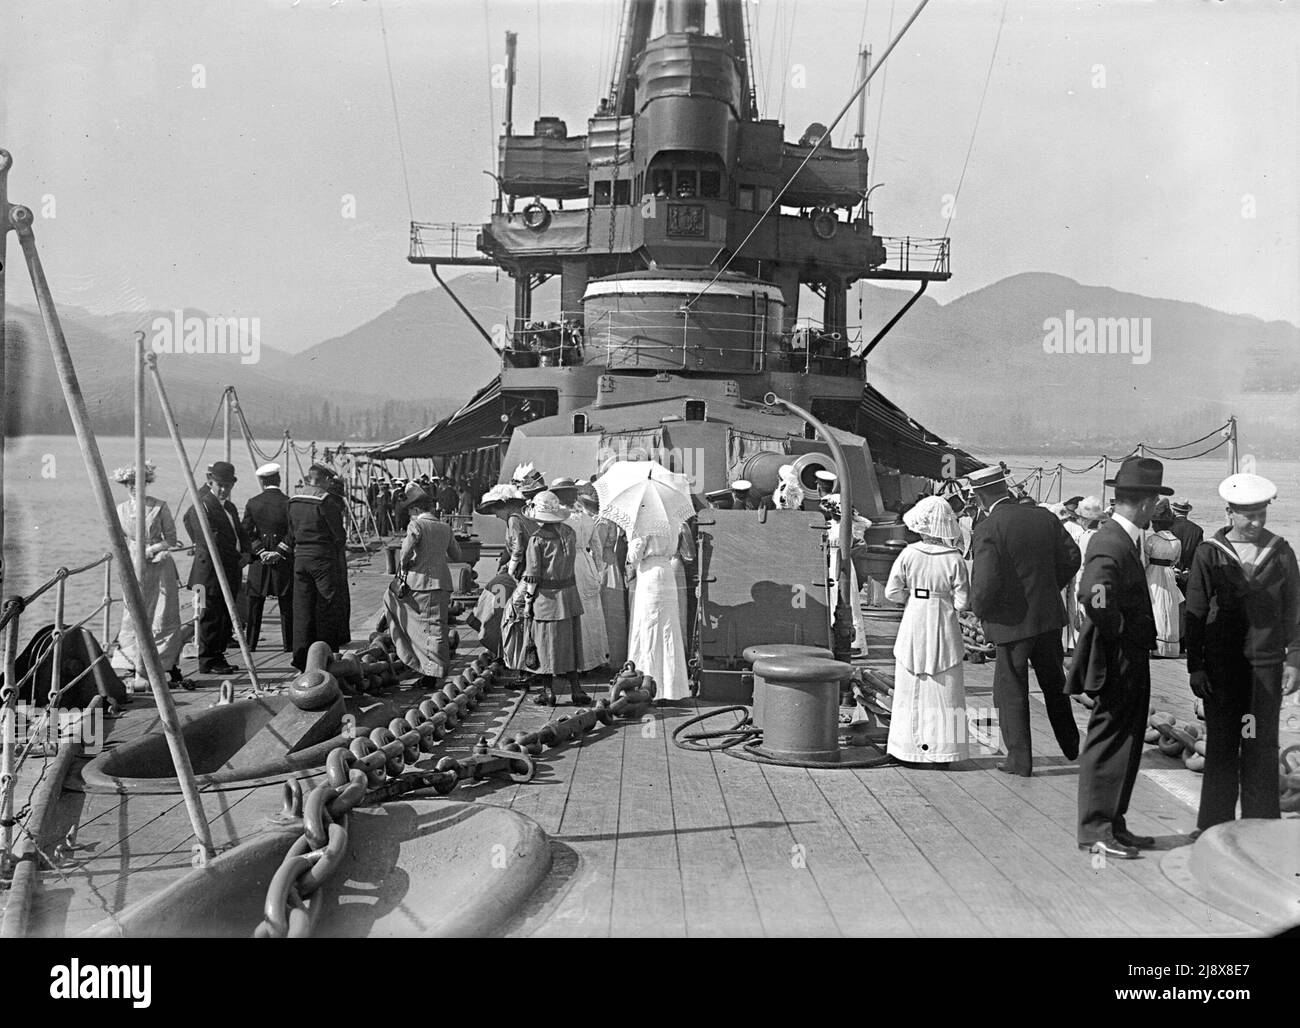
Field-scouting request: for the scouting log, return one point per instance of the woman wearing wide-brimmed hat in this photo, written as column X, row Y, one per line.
column 542, row 630
column 159, row 584
column 928, row 716
column 418, row 618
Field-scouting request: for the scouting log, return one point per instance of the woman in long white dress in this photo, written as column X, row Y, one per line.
column 1162, row 550
column 159, row 586
column 928, row 723
column 656, row 641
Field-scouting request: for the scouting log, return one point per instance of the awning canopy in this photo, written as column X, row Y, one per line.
column 898, row 441
column 474, row 426
column 895, row 439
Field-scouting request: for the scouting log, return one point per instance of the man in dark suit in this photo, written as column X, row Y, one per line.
column 1112, row 661
column 317, row 535
column 266, row 524
column 216, row 630
column 1023, row 558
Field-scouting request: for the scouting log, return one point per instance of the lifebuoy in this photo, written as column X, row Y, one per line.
column 825, row 224
column 536, row 216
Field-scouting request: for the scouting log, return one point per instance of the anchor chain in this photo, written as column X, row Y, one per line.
column 372, row 769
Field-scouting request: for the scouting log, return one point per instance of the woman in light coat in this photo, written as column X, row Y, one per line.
column 928, row 723
column 159, row 585
column 418, row 620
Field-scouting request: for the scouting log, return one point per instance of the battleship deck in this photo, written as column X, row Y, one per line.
column 649, row 839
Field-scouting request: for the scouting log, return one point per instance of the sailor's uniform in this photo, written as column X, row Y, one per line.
column 266, row 523
column 316, row 534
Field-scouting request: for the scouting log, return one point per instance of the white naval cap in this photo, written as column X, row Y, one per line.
column 740, row 484
column 826, row 476
column 1244, row 490
column 268, row 469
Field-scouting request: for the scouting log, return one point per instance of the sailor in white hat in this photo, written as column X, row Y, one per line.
column 270, row 573
column 741, row 495
column 826, row 481
column 1242, row 660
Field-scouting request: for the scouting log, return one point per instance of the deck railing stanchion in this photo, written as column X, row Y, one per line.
column 227, row 594
column 9, row 695
column 108, row 602
column 56, row 669
column 21, row 219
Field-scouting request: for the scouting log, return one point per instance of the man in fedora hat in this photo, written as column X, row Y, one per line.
column 270, row 572
column 1245, row 656
column 319, row 539
column 1112, row 660
column 1023, row 558
column 216, row 630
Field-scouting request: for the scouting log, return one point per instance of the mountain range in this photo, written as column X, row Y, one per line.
column 997, row 369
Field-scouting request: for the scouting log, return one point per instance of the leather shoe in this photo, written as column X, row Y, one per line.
column 219, row 669
column 1112, row 848
column 1126, row 838
column 1007, row 769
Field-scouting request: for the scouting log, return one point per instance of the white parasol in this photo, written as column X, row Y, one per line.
column 644, row 498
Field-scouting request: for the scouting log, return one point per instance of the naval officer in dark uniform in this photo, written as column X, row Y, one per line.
column 270, row 573
column 316, row 534
column 216, row 631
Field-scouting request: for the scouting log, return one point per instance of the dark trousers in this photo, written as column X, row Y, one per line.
column 321, row 607
column 1241, row 715
column 253, row 627
column 216, row 631
column 1011, row 697
column 1112, row 750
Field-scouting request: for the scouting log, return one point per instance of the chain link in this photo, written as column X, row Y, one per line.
column 371, row 768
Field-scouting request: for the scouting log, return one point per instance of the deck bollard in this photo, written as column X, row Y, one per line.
column 762, row 651
column 801, row 706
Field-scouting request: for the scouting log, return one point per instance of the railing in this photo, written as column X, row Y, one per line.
column 916, row 254
column 10, row 621
column 568, row 343
column 450, row 242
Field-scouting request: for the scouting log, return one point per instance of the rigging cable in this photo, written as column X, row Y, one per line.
column 880, row 109
column 492, row 97
column 952, row 210
column 397, row 121
column 812, row 150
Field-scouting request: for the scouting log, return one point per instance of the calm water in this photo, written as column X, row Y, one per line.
column 51, row 518
column 1198, row 480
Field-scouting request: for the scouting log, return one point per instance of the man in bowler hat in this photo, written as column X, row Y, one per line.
column 1112, row 661
column 216, row 630
column 1023, row 558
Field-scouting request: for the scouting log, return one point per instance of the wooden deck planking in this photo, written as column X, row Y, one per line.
column 918, row 891
column 1175, row 910
column 715, row 888
column 858, row 901
column 789, row 901
column 1119, row 904
column 1053, row 889
column 971, row 873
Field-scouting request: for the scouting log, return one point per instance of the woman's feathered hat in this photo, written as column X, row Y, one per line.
column 126, row 474
column 529, row 480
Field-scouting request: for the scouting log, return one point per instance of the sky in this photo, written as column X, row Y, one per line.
column 242, row 156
